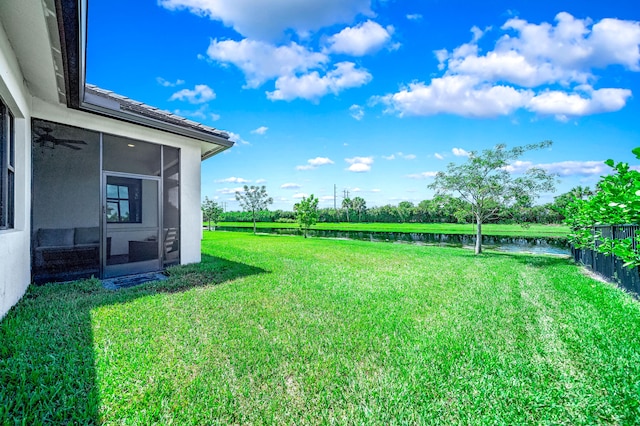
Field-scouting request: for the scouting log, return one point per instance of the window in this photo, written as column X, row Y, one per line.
column 124, row 200
column 7, row 168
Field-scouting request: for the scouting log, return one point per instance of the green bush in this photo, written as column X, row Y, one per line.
column 616, row 202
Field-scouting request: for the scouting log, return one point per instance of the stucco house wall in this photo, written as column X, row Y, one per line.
column 15, row 271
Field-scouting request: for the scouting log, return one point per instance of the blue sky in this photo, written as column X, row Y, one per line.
column 376, row 96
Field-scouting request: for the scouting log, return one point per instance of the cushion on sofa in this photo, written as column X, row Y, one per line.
column 55, row 237
column 87, row 235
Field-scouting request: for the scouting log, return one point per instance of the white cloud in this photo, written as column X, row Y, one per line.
column 356, row 112
column 261, row 181
column 261, row 61
column 363, row 39
column 400, row 155
column 563, row 168
column 320, row 161
column 582, row 168
column 414, row 17
column 199, row 95
column 161, row 81
column 459, row 152
column 314, row 163
column 261, row 19
column 300, row 195
column 298, row 71
column 544, row 53
column 563, row 104
column 232, row 179
column 513, row 67
column 461, row 95
column 202, row 113
column 359, row 164
column 290, row 186
column 234, row 137
column 365, row 190
column 359, row 168
column 312, row 86
column 423, row 175
column 364, row 160
column 438, row 156
column 456, row 94
column 260, row 130
column 230, row 190
column 520, row 68
column 572, row 44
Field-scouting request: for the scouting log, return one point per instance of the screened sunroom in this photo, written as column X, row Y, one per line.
column 103, row 205
column 92, row 183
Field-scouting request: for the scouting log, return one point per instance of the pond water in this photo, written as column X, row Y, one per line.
column 558, row 246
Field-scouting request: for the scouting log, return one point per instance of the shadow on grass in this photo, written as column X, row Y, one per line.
column 47, row 372
column 535, row 260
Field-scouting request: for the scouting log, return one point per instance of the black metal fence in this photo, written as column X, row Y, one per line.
column 611, row 267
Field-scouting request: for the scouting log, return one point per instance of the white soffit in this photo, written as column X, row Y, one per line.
column 31, row 27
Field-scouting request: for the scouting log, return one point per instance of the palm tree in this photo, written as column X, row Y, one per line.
column 359, row 205
column 581, row 192
column 404, row 210
column 346, row 204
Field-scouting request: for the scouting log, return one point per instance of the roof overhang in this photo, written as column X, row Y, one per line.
column 72, row 27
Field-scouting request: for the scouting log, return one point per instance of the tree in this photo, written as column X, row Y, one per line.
column 561, row 202
column 346, row 204
column 450, row 209
column 405, row 211
column 254, row 199
column 211, row 212
column 359, row 205
column 615, row 202
column 306, row 213
column 485, row 182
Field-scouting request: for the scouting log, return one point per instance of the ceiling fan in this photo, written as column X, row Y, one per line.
column 47, row 140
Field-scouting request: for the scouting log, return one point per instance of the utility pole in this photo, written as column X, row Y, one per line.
column 334, row 197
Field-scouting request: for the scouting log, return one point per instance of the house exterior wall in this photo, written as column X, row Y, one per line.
column 28, row 88
column 15, row 244
column 15, row 249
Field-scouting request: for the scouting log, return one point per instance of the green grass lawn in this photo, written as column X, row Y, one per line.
column 286, row 330
column 534, row 230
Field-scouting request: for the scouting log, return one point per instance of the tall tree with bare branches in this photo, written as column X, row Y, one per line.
column 486, row 182
column 254, row 199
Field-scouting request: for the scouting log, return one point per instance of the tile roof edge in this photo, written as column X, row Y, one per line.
column 134, row 107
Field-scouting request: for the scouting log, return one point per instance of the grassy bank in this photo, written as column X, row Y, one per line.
column 285, row 330
column 534, row 230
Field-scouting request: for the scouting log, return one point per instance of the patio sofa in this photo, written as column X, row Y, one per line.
column 66, row 254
